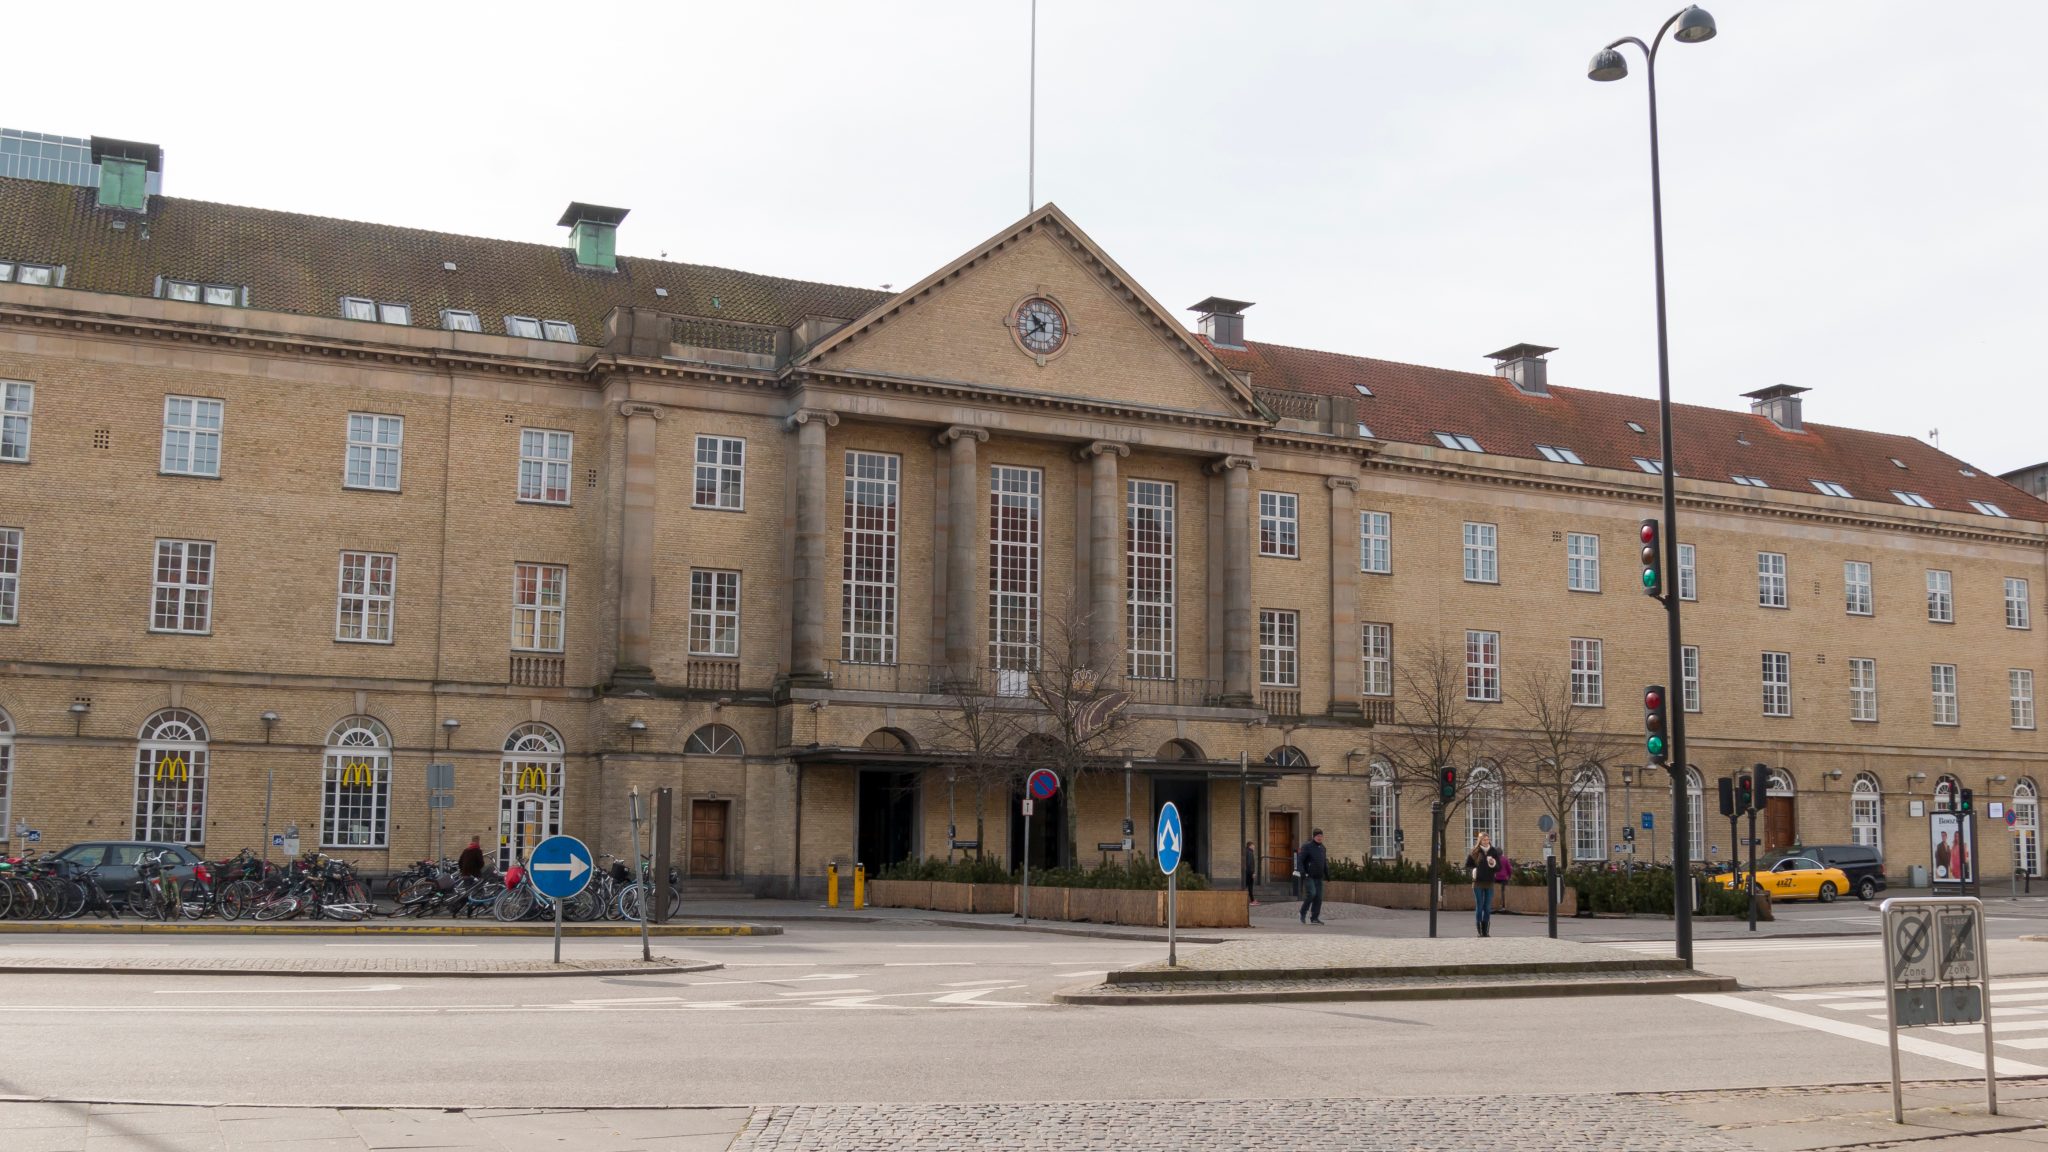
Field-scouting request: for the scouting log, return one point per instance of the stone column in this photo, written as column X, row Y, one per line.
column 1238, row 633
column 636, row 546
column 963, row 555
column 807, row 576
column 1105, row 555
column 1344, row 650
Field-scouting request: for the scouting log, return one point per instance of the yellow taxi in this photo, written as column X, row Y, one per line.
column 1795, row 878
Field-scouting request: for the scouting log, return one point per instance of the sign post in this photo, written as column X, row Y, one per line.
column 1042, row 784
column 1168, row 850
column 440, row 798
column 1548, row 827
column 560, row 868
column 1936, row 972
column 636, row 812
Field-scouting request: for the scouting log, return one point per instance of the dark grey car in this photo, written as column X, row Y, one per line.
column 1864, row 866
column 116, row 861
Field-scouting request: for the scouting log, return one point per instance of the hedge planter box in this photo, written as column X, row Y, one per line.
column 1526, row 899
column 1142, row 908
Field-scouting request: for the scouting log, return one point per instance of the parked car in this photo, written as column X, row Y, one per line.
column 116, row 861
column 1862, row 864
column 1795, row 878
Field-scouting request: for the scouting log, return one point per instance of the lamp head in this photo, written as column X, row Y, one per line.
column 1694, row 25
column 80, row 707
column 1607, row 64
column 638, row 725
column 268, row 717
column 451, row 723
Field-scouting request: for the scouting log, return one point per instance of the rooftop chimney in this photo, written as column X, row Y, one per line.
column 1780, row 402
column 129, row 172
column 1222, row 320
column 1524, row 367
column 594, row 234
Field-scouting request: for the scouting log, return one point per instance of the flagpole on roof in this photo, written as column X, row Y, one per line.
column 1031, row 160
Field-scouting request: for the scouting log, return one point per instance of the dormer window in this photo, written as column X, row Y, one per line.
column 1556, row 455
column 380, row 312
column 1912, row 498
column 1364, row 433
column 458, row 320
column 194, row 292
column 1653, row 467
column 1830, row 488
column 1634, row 427
column 524, row 327
column 559, row 330
column 1990, row 509
column 1459, row 441
column 1750, row 481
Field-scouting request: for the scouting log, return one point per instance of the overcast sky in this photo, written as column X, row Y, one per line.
column 1855, row 206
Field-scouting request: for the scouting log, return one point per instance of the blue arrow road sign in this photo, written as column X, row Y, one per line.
column 560, row 867
column 1649, row 821
column 1169, row 838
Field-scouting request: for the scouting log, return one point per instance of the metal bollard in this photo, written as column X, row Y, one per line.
column 860, row 892
column 832, row 884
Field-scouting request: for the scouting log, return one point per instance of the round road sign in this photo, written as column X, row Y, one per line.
column 1043, row 784
column 560, row 867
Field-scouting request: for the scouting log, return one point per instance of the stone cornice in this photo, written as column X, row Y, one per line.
column 957, row 390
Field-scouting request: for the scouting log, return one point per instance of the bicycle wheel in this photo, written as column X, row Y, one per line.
column 586, row 906
column 235, row 899
column 632, row 902
column 513, row 904
column 70, row 899
column 6, row 896
column 282, row 908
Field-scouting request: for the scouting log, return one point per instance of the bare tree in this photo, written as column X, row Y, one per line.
column 1560, row 751
column 1436, row 724
column 978, row 731
column 1086, row 720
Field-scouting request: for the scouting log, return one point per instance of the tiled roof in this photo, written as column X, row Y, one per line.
column 306, row 264
column 1410, row 403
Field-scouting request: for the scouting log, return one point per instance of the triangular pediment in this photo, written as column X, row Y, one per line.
column 958, row 325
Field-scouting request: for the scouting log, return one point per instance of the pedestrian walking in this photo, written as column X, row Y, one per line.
column 1483, row 863
column 1500, row 880
column 1251, row 871
column 1312, row 864
column 471, row 862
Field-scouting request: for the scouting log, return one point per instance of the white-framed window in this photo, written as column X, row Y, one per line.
column 1582, row 562
column 1689, row 690
column 721, row 473
column 560, row 331
column 461, row 320
column 192, row 436
column 1380, row 816
column 43, row 275
column 1589, row 815
column 1557, row 455
column 1375, row 542
column 355, row 788
column 17, row 409
column 2019, row 611
column 1696, row 814
column 1866, row 812
column 524, row 327
column 1856, row 595
column 170, row 778
column 1914, row 499
column 540, row 606
column 1279, row 524
column 1830, row 488
column 529, row 791
column 1770, row 579
column 1149, row 578
column 1943, row 680
column 1989, row 509
column 1777, row 683
column 10, row 579
column 1862, row 688
column 6, row 770
column 1459, row 441
column 2026, row 826
column 380, row 312
column 1482, row 666
column 1482, row 553
column 1588, row 689
column 544, row 456
column 1688, row 572
column 1941, row 600
column 1485, row 804
column 182, row 594
column 363, row 610
column 193, row 292
column 714, row 740
column 1749, row 481
column 374, row 445
column 1015, row 540
column 1376, row 643
column 2020, row 691
column 714, row 612
column 1647, row 464
column 1279, row 650
column 868, row 543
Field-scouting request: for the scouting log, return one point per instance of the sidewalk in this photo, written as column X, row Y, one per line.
column 357, row 966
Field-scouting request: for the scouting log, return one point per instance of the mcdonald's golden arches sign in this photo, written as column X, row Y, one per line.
column 173, row 767
column 358, row 774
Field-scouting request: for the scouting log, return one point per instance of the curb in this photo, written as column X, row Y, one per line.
column 1557, row 989
column 1375, row 972
column 368, row 928
column 1158, row 937
column 658, row 968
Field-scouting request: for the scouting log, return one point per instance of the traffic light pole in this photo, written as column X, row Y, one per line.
column 1752, row 857
column 1436, row 836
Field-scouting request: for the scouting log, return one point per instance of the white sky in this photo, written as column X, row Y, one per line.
column 1851, row 204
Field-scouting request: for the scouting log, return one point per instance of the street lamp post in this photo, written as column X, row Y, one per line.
column 1694, row 26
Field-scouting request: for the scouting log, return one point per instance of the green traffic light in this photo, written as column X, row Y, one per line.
column 1649, row 577
column 1656, row 745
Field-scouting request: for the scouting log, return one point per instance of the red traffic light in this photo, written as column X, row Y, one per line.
column 1653, row 699
column 1649, row 532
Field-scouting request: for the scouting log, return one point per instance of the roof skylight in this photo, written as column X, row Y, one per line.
column 1830, row 488
column 1913, row 498
column 1362, row 390
column 1750, row 481
column 1458, row 440
column 1990, row 509
column 1653, row 467
column 1557, row 455
column 1634, row 427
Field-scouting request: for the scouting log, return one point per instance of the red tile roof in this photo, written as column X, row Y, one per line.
column 1411, row 403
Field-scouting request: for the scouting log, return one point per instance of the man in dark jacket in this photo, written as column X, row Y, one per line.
column 1251, row 871
column 471, row 862
column 1312, row 864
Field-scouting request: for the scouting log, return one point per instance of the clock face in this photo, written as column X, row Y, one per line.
column 1041, row 327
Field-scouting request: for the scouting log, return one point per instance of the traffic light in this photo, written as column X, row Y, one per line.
column 1653, row 559
column 1966, row 802
column 1745, row 794
column 1447, row 784
column 1655, row 714
column 1728, row 807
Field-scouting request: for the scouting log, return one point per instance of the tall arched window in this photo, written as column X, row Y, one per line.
column 1485, row 804
column 1945, row 789
column 6, row 771
column 355, row 785
column 1866, row 812
column 2026, row 827
column 714, row 740
column 1589, row 815
column 170, row 778
column 1380, row 809
column 529, row 791
column 1695, row 815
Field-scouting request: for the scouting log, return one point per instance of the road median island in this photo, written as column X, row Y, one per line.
column 1300, row 968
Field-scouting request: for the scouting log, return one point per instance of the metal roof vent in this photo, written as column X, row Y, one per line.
column 1525, row 367
column 1780, row 403
column 594, row 234
column 1222, row 321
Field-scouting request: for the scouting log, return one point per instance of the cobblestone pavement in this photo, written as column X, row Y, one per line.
column 43, row 1126
column 1582, row 1123
column 349, row 966
column 1305, row 952
column 1399, row 987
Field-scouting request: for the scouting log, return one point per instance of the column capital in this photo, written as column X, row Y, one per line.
column 1102, row 448
column 632, row 408
column 1336, row 482
column 803, row 416
column 945, row 436
column 1219, row 467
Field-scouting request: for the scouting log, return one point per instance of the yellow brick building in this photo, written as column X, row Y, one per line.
column 292, row 507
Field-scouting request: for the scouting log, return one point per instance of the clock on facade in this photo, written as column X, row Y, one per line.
column 1041, row 326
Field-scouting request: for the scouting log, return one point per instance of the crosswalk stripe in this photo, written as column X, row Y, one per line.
column 1907, row 1042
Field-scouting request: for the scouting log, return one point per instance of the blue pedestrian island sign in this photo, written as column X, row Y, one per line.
column 1649, row 821
column 1169, row 838
column 560, row 866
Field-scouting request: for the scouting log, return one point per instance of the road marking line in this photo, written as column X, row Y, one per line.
column 2029, row 1043
column 958, row 945
column 327, row 945
column 1853, row 1005
column 818, row 995
column 972, row 998
column 1907, row 1042
column 271, row 991
column 928, row 964
column 972, row 983
column 1066, row 975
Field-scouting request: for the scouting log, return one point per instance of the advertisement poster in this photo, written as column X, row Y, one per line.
column 1955, row 853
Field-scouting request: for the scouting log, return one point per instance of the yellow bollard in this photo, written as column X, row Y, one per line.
column 832, row 884
column 860, row 891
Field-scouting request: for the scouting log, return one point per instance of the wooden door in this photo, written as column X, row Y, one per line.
column 1781, row 823
column 707, row 838
column 1280, row 846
